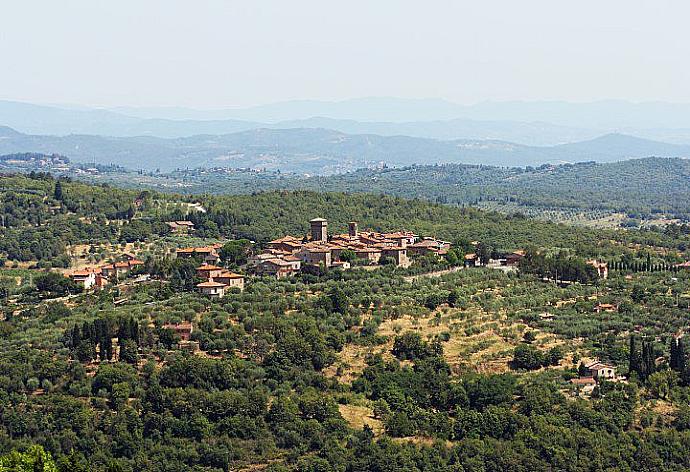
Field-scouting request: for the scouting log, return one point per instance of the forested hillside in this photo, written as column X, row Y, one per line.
column 435, row 367
column 42, row 216
column 641, row 188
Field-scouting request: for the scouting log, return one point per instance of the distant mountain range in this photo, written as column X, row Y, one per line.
column 528, row 123
column 323, row 151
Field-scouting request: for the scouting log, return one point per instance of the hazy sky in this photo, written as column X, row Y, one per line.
column 220, row 53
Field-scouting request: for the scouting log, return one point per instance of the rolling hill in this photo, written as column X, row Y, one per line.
column 323, row 151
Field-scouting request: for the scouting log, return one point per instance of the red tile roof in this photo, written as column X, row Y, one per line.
column 210, row 284
column 208, row 267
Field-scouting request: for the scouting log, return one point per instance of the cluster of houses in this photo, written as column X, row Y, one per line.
column 288, row 255
column 99, row 277
column 216, row 280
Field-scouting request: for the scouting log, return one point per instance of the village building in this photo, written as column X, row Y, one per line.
column 120, row 269
column 428, row 246
column 84, row 277
column 602, row 268
column 287, row 244
column 316, row 255
column 276, row 267
column 472, row 260
column 230, row 280
column 369, row 254
column 208, row 254
column 600, row 371
column 514, row 258
column 208, row 271
column 605, row 308
column 181, row 226
column 399, row 255
column 584, row 385
column 183, row 330
column 319, row 229
column 212, row 289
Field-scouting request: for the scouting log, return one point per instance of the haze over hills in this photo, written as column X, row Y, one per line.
column 322, row 151
column 529, row 123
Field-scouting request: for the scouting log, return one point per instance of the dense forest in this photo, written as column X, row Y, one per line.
column 435, row 367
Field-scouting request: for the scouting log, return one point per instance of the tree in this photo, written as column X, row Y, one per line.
column 484, row 253
column 348, row 255
column 411, row 346
column 677, row 359
column 526, row 356
column 236, row 252
column 35, row 459
column 129, row 351
column 57, row 193
column 339, row 300
column 634, row 360
column 56, row 284
column 168, row 337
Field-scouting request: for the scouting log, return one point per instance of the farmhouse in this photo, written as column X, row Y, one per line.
column 605, row 308
column 208, row 253
column 514, row 258
column 212, row 289
column 85, row 277
column 602, row 268
column 600, row 371
column 217, row 280
column 276, row 267
column 181, row 226
column 120, row 269
column 183, row 330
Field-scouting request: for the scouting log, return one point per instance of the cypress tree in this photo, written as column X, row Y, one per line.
column 673, row 361
column 634, row 357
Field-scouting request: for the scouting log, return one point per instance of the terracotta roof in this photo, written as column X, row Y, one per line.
column 367, row 249
column 229, row 275
column 135, row 262
column 121, row 265
column 278, row 262
column 82, row 273
column 208, row 267
column 597, row 264
column 178, row 326
column 210, row 284
column 599, row 365
column 426, row 243
column 583, row 381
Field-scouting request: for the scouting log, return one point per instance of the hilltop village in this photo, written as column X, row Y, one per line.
column 290, row 254
column 283, row 257
column 314, row 252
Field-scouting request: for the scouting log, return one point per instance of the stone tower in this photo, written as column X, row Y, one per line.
column 352, row 229
column 319, row 230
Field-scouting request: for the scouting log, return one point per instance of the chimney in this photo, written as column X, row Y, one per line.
column 352, row 229
column 319, row 230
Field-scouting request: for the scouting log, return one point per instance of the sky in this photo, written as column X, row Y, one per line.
column 226, row 53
